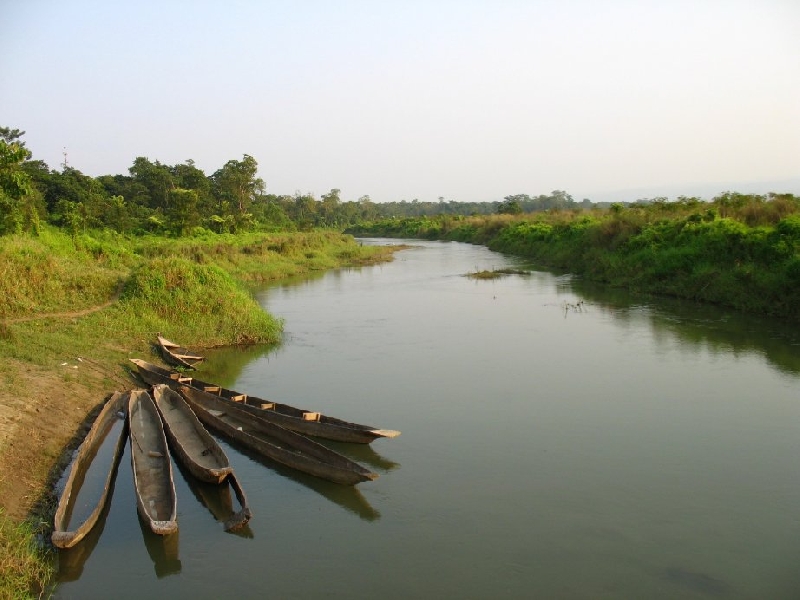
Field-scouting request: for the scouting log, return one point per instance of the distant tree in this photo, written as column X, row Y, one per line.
column 328, row 213
column 237, row 185
column 304, row 211
column 182, row 213
column 510, row 206
column 154, row 177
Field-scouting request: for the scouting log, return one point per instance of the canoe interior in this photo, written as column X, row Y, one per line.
column 94, row 466
column 152, row 469
column 190, row 441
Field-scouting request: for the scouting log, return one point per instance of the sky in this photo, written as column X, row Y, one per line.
column 417, row 99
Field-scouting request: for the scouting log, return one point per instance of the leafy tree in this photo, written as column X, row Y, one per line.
column 155, row 178
column 16, row 193
column 328, row 212
column 237, row 185
column 182, row 214
column 304, row 211
column 511, row 206
column 96, row 207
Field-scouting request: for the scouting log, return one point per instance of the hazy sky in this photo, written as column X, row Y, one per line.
column 466, row 100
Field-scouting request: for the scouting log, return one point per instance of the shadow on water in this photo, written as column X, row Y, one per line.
column 348, row 497
column 702, row 327
column 696, row 581
column 217, row 499
column 362, row 453
column 163, row 550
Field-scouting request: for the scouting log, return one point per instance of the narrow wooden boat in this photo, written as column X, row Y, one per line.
column 111, row 415
column 188, row 439
column 297, row 419
column 273, row 441
column 178, row 355
column 152, row 470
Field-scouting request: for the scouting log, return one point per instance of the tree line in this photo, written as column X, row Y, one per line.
column 179, row 199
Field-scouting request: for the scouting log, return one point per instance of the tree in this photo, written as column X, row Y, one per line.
column 182, row 213
column 510, row 206
column 16, row 192
column 329, row 208
column 236, row 183
column 157, row 180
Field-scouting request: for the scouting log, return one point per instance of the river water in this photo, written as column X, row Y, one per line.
column 558, row 441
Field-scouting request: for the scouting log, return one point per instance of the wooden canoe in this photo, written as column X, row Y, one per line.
column 111, row 415
column 197, row 450
column 178, row 355
column 152, row 469
column 273, row 441
column 297, row 419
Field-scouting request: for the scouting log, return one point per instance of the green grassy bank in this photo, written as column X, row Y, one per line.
column 738, row 251
column 100, row 298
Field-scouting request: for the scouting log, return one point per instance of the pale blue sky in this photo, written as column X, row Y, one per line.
column 469, row 100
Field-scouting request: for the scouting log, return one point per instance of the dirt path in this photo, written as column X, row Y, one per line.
column 71, row 314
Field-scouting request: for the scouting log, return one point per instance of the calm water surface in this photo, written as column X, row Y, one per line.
column 559, row 441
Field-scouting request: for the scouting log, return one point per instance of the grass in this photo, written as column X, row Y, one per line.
column 22, row 561
column 495, row 273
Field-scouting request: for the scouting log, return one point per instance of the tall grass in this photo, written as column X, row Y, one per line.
column 183, row 299
column 44, row 274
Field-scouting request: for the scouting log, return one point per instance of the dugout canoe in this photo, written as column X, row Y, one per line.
column 188, row 439
column 300, row 420
column 111, row 417
column 273, row 441
column 178, row 355
column 153, row 482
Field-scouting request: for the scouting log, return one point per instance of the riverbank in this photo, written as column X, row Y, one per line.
column 738, row 251
column 73, row 310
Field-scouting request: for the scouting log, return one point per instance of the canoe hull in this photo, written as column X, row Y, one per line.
column 302, row 421
column 106, row 419
column 153, row 481
column 177, row 355
column 273, row 441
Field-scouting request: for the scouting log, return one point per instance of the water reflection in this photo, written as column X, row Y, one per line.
column 219, row 502
column 72, row 560
column 362, row 453
column 346, row 496
column 701, row 327
column 162, row 549
column 224, row 366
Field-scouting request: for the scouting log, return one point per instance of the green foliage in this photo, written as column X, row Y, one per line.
column 15, row 188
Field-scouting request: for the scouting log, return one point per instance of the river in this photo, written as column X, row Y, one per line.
column 559, row 440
